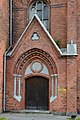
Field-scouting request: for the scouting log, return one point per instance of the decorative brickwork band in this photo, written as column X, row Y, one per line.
column 21, row 62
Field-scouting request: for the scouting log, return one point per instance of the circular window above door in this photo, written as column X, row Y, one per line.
column 36, row 66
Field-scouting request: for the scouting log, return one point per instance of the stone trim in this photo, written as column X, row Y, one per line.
column 21, row 62
column 49, row 36
column 17, row 97
column 45, row 30
column 54, row 85
column 58, row 5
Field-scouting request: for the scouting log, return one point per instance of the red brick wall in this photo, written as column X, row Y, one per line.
column 63, row 25
column 71, row 61
column 4, row 38
column 58, row 22
column 46, row 45
column 78, row 59
column 71, row 85
column 58, row 26
column 20, row 19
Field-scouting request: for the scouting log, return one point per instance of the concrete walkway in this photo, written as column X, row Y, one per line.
column 25, row 116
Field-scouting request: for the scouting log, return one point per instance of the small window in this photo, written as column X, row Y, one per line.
column 42, row 10
column 45, row 10
column 39, row 6
column 39, row 13
column 37, row 67
column 35, row 36
column 32, row 12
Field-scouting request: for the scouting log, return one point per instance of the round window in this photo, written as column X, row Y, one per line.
column 36, row 66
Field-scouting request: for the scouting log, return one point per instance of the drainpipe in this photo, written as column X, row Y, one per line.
column 4, row 79
column 5, row 54
column 4, row 101
column 10, row 22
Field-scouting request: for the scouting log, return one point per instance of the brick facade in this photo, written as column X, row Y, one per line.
column 64, row 25
column 4, row 39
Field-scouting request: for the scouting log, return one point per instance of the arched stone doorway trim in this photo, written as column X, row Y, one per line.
column 25, row 59
column 31, row 54
column 36, row 74
column 37, row 66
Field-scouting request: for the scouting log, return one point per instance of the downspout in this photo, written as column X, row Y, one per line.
column 4, row 79
column 11, row 23
column 5, row 54
column 4, row 102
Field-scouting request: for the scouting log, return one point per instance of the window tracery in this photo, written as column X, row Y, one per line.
column 42, row 10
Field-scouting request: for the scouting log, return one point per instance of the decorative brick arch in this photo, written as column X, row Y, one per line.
column 47, row 1
column 32, row 54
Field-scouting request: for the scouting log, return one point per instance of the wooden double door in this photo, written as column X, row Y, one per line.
column 37, row 93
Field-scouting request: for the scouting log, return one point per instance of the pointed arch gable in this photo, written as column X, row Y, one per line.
column 44, row 29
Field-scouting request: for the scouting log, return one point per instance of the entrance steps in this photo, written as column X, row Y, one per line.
column 34, row 111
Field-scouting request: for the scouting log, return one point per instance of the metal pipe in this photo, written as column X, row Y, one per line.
column 11, row 23
column 4, row 101
column 5, row 78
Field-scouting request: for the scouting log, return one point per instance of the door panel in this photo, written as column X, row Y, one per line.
column 36, row 93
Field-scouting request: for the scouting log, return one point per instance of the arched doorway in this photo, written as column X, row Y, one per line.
column 39, row 75
column 37, row 93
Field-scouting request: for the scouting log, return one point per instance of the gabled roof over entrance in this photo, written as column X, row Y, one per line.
column 61, row 52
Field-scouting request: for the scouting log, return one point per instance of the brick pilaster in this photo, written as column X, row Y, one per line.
column 71, row 20
column 71, row 61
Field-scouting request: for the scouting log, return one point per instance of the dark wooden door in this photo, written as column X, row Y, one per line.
column 36, row 92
